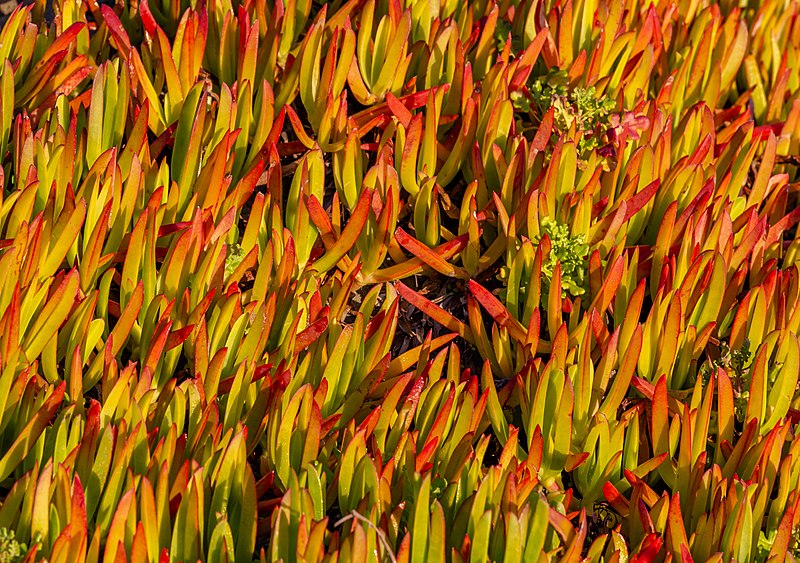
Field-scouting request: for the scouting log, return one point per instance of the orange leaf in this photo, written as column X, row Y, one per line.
column 349, row 236
column 434, row 311
column 428, row 256
column 496, row 309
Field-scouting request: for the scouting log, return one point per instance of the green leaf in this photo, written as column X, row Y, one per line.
column 30, row 434
column 420, row 523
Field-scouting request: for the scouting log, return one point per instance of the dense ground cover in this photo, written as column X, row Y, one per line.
column 421, row 281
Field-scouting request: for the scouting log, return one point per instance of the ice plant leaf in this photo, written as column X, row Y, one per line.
column 349, row 235
column 28, row 436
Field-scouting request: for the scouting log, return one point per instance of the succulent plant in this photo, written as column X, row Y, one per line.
column 405, row 281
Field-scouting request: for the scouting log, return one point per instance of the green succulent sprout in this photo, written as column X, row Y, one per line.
column 740, row 358
column 735, row 361
column 546, row 89
column 580, row 106
column 235, row 256
column 571, row 252
column 10, row 549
